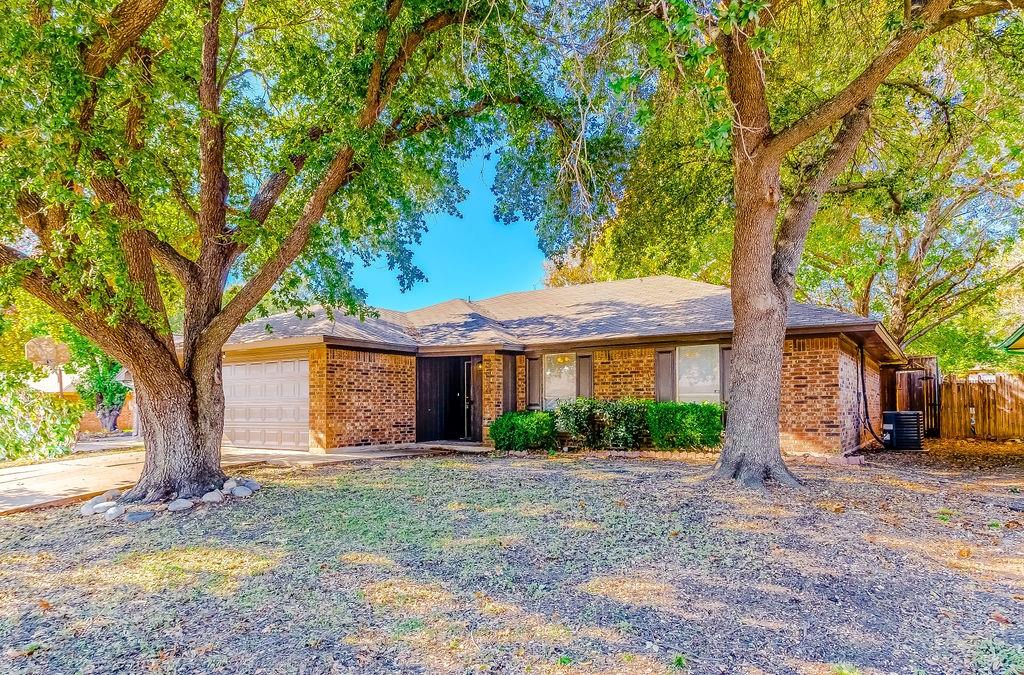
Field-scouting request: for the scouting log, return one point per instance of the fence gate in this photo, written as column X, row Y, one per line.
column 918, row 388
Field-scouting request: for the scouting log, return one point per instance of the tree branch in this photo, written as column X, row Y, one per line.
column 973, row 10
column 747, row 91
column 796, row 220
column 934, row 16
column 126, row 24
column 337, row 174
column 179, row 192
column 408, row 46
column 263, row 202
column 183, row 269
column 340, row 172
column 213, row 181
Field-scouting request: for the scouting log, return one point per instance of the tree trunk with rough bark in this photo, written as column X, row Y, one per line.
column 107, row 415
column 182, row 426
column 751, row 453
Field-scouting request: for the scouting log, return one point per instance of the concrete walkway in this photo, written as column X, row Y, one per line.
column 53, row 483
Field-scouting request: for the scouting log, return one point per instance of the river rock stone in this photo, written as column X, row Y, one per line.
column 230, row 484
column 180, row 505
column 87, row 510
column 139, row 516
column 102, row 507
column 251, row 484
column 113, row 512
column 111, row 495
column 213, row 496
column 241, row 491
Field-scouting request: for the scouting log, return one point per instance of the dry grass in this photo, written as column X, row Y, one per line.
column 532, row 565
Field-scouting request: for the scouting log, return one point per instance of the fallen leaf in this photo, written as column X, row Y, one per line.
column 964, row 552
column 44, row 605
column 999, row 618
column 1012, row 525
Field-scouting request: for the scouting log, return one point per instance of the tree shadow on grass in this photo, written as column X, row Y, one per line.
column 440, row 566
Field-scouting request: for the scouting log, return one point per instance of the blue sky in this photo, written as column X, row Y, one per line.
column 472, row 256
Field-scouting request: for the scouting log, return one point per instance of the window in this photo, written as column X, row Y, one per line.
column 559, row 379
column 697, row 374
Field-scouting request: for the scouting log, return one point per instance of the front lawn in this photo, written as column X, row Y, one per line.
column 540, row 565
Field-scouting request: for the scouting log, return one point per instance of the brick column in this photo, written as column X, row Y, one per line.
column 318, row 400
column 493, row 380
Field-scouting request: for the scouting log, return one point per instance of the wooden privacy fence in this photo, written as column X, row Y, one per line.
column 997, row 402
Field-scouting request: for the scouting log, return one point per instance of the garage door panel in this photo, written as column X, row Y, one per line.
column 267, row 404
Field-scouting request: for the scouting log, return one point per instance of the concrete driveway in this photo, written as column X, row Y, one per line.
column 77, row 478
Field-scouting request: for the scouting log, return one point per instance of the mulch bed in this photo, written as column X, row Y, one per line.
column 575, row 565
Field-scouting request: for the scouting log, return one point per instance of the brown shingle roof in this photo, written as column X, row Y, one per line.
column 631, row 308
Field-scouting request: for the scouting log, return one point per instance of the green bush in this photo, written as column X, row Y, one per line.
column 583, row 419
column 524, row 431
column 35, row 424
column 685, row 425
column 625, row 423
column 594, row 424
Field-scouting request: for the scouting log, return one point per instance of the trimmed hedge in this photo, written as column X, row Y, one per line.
column 685, row 425
column 583, row 420
column 524, row 431
column 626, row 423
column 595, row 424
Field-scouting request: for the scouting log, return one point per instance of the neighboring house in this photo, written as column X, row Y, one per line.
column 90, row 423
column 447, row 371
column 1015, row 343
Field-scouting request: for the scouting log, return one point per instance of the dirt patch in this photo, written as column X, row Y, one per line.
column 530, row 565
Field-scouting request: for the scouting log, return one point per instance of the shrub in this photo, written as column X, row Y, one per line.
column 36, row 424
column 685, row 425
column 583, row 420
column 524, row 431
column 625, row 423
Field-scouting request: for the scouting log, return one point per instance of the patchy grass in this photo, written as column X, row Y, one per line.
column 534, row 565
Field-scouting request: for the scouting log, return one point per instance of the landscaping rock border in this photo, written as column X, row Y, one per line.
column 106, row 504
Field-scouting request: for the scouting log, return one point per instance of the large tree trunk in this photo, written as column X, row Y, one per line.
column 107, row 415
column 751, row 453
column 182, row 426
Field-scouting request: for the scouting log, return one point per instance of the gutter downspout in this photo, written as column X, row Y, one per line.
column 867, row 411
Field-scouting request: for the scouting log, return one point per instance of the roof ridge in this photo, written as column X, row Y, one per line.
column 555, row 289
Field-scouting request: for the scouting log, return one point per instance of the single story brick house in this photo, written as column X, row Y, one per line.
column 447, row 371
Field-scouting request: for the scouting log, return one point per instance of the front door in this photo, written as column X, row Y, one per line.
column 466, row 396
column 448, row 391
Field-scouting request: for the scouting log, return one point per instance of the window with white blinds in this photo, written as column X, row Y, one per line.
column 698, row 374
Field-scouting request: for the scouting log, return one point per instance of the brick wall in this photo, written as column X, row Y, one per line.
column 851, row 404
column 619, row 373
column 492, row 389
column 808, row 417
column 821, row 401
column 360, row 398
column 363, row 398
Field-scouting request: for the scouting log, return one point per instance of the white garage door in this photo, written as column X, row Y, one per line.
column 267, row 404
